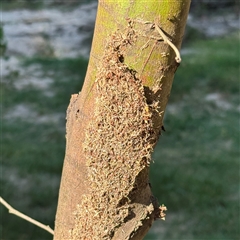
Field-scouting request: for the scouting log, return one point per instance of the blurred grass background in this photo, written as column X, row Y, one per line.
column 196, row 169
column 196, row 163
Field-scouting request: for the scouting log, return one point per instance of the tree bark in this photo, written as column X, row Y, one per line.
column 114, row 123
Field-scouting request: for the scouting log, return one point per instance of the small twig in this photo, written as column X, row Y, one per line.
column 21, row 215
column 178, row 57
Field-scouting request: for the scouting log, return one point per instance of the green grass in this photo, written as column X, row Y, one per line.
column 196, row 169
column 31, row 146
column 13, row 5
column 64, row 5
column 33, row 152
column 212, row 65
column 196, row 174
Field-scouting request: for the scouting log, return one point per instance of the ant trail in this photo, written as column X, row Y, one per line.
column 149, row 55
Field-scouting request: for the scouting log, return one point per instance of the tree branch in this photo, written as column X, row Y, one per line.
column 25, row 217
column 178, row 57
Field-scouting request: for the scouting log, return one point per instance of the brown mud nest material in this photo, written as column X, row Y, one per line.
column 118, row 145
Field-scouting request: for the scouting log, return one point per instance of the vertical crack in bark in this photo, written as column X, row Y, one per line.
column 118, row 146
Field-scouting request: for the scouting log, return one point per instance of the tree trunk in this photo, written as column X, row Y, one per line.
column 114, row 123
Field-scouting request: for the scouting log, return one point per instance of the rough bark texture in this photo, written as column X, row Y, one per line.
column 113, row 125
